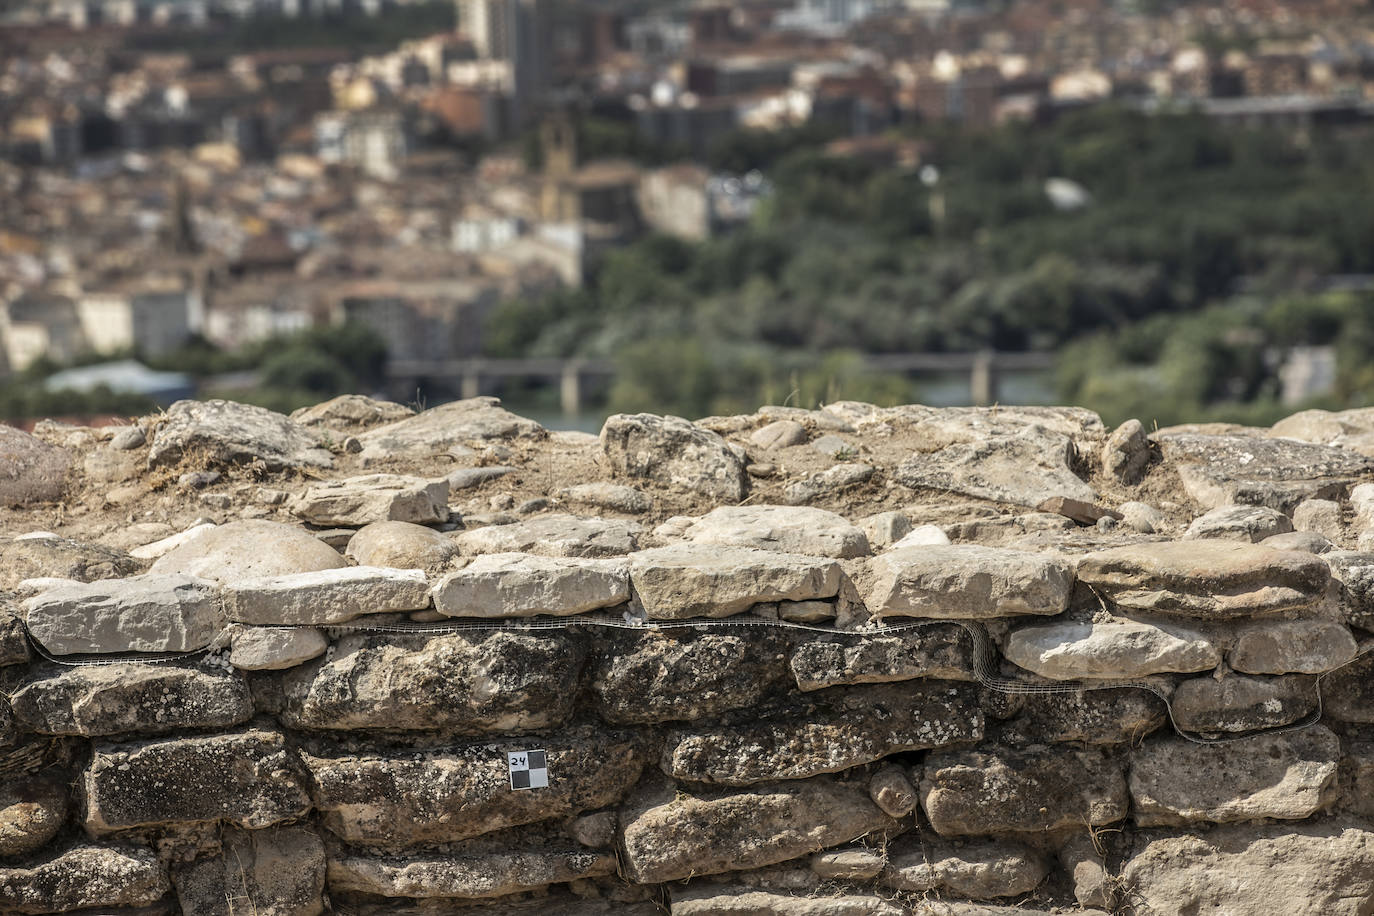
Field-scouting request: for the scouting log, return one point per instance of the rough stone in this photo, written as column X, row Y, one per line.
column 1116, row 649
column 1320, row 515
column 1142, row 517
column 806, row 611
column 610, row 496
column 922, row 536
column 31, row 470
column 1126, row 452
column 674, row 452
column 885, row 529
column 1237, row 703
column 693, row 835
column 702, row 580
column 553, row 536
column 785, row 529
column 351, row 412
column 981, row 870
column 130, row 437
column 1255, row 471
column 249, row 549
column 1208, row 579
column 400, row 545
column 1111, row 716
column 654, row 678
column 967, row 581
column 1239, row 523
column 937, row 651
column 61, row 558
column 223, row 432
column 151, row 613
column 855, row 726
column 358, row 501
column 467, row 478
column 325, row 596
column 1348, row 694
column 164, row 545
column 778, row 434
column 279, row 871
column 1083, row 859
column 14, row 644
column 1292, row 646
column 1078, row 511
column 849, row 864
column 1318, row 869
column 595, row 831
column 468, row 683
column 827, row 483
column 32, row 811
column 464, row 876
column 247, row 778
column 520, row 585
column 118, row 699
column 442, row 796
column 718, row 900
column 273, row 649
column 84, row 876
column 892, row 791
column 1289, row 775
column 1003, row 790
column 1305, row 541
column 435, row 431
column 1353, row 573
column 1023, row 467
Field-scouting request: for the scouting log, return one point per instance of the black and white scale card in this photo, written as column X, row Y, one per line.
column 528, row 769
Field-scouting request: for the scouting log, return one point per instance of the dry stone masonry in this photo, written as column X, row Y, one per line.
column 854, row 661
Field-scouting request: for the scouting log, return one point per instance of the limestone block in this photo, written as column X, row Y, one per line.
column 272, row 648
column 1292, row 646
column 1354, row 575
column 443, row 796
column 249, row 549
column 647, row 679
column 922, row 536
column 279, row 871
column 33, row 471
column 778, row 434
column 785, row 529
column 1118, row 649
column 224, row 432
column 1348, row 694
column 1238, row 703
column 892, row 791
column 732, row 900
column 703, row 580
column 828, row 483
column 1111, row 716
column 520, row 585
column 693, row 835
column 1207, row 579
column 981, row 870
column 553, row 536
column 673, row 452
column 606, row 496
column 885, row 529
column 1126, row 452
column 84, row 876
column 1322, row 516
column 465, row 876
column 1290, row 775
column 1250, row 524
column 1319, row 869
column 150, row 613
column 32, row 811
column 326, row 596
column 400, row 545
column 855, row 726
column 968, row 581
column 1003, row 790
column 248, row 778
column 118, row 699
column 468, row 683
column 435, row 431
column 856, row 864
column 937, row 651
column 359, row 501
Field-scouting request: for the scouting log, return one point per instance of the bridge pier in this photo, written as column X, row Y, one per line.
column 983, row 383
column 470, row 385
column 570, row 389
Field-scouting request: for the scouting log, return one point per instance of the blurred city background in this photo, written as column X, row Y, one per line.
column 1152, row 209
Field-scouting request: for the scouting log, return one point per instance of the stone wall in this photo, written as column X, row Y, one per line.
column 848, row 661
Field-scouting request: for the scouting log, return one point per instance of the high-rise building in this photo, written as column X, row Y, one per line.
column 515, row 31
